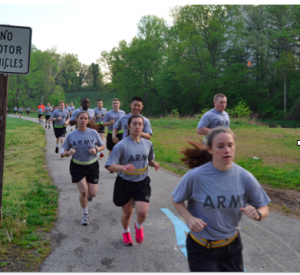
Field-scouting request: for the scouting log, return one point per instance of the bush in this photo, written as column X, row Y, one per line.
column 239, row 111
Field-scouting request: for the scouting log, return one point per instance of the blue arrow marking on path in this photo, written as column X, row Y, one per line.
column 180, row 229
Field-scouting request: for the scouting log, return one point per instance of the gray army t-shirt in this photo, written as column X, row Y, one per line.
column 121, row 124
column 213, row 119
column 40, row 111
column 48, row 110
column 91, row 113
column 82, row 141
column 15, row 109
column 113, row 115
column 71, row 109
column 128, row 151
column 59, row 123
column 98, row 111
column 216, row 197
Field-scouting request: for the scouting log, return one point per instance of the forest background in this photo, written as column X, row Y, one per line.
column 249, row 53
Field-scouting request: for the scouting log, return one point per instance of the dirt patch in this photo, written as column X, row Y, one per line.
column 167, row 127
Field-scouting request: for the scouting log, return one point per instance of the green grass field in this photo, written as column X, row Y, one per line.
column 30, row 200
column 276, row 148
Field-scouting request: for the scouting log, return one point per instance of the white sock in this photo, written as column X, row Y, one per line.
column 56, row 145
column 85, row 210
column 62, row 150
column 138, row 226
column 125, row 230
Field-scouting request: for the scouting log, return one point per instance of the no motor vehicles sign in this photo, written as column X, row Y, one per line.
column 15, row 48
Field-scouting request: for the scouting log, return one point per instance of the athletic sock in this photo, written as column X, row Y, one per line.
column 62, row 150
column 85, row 210
column 56, row 145
column 138, row 226
column 125, row 230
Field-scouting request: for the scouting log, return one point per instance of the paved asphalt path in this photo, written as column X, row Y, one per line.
column 270, row 246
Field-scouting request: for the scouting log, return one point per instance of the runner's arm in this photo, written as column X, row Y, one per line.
column 154, row 164
column 146, row 136
column 251, row 213
column 203, row 131
column 118, row 168
column 195, row 224
column 114, row 136
column 73, row 122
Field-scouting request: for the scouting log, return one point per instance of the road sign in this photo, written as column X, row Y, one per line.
column 15, row 48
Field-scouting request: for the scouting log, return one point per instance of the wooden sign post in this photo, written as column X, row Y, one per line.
column 15, row 49
column 3, row 111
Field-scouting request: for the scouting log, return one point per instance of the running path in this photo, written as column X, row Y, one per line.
column 270, row 246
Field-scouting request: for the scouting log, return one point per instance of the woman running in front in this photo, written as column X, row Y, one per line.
column 131, row 158
column 217, row 191
column 83, row 144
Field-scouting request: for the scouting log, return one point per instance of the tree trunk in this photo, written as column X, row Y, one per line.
column 284, row 97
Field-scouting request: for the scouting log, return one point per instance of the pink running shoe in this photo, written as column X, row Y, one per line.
column 127, row 239
column 139, row 234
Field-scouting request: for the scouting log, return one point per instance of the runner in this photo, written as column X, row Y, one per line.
column 53, row 122
column 215, row 117
column 28, row 111
column 136, row 106
column 20, row 112
column 48, row 111
column 71, row 110
column 43, row 107
column 83, row 145
column 85, row 104
column 217, row 191
column 61, row 118
column 40, row 114
column 131, row 158
column 99, row 116
column 15, row 110
column 110, row 119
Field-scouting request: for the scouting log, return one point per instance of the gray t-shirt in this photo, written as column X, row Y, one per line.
column 113, row 115
column 15, row 109
column 98, row 111
column 48, row 110
column 121, row 124
column 71, row 109
column 128, row 151
column 40, row 111
column 91, row 113
column 20, row 110
column 213, row 119
column 59, row 123
column 217, row 196
column 82, row 141
column 28, row 109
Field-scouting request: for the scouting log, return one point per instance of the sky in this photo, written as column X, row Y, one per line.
column 87, row 27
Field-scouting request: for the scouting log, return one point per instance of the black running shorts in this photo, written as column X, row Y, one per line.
column 60, row 132
column 109, row 143
column 28, row 112
column 226, row 258
column 40, row 115
column 47, row 117
column 124, row 190
column 101, row 129
column 90, row 172
column 20, row 112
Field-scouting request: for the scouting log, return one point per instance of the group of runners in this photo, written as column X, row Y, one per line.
column 218, row 191
column 20, row 110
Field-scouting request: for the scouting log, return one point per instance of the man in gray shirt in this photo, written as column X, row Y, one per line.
column 85, row 103
column 136, row 106
column 61, row 118
column 110, row 119
column 215, row 117
column 99, row 117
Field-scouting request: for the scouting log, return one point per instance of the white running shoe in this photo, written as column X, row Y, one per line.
column 85, row 219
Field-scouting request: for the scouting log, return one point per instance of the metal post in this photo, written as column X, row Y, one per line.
column 3, row 109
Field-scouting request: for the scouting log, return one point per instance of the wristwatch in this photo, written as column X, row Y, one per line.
column 259, row 214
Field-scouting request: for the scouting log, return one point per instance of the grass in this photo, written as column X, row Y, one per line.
column 278, row 164
column 30, row 199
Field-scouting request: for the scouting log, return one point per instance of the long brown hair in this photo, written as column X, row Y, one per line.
column 197, row 156
column 91, row 124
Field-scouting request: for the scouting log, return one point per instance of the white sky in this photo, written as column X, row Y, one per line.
column 85, row 27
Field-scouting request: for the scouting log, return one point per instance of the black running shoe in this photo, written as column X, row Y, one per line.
column 46, row 126
column 56, row 150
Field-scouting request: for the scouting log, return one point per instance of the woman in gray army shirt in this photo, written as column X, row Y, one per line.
column 131, row 158
column 217, row 191
column 83, row 144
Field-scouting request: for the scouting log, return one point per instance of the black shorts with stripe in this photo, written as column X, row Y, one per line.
column 124, row 190
column 47, row 117
column 90, row 172
column 226, row 258
column 40, row 115
column 109, row 143
column 60, row 132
